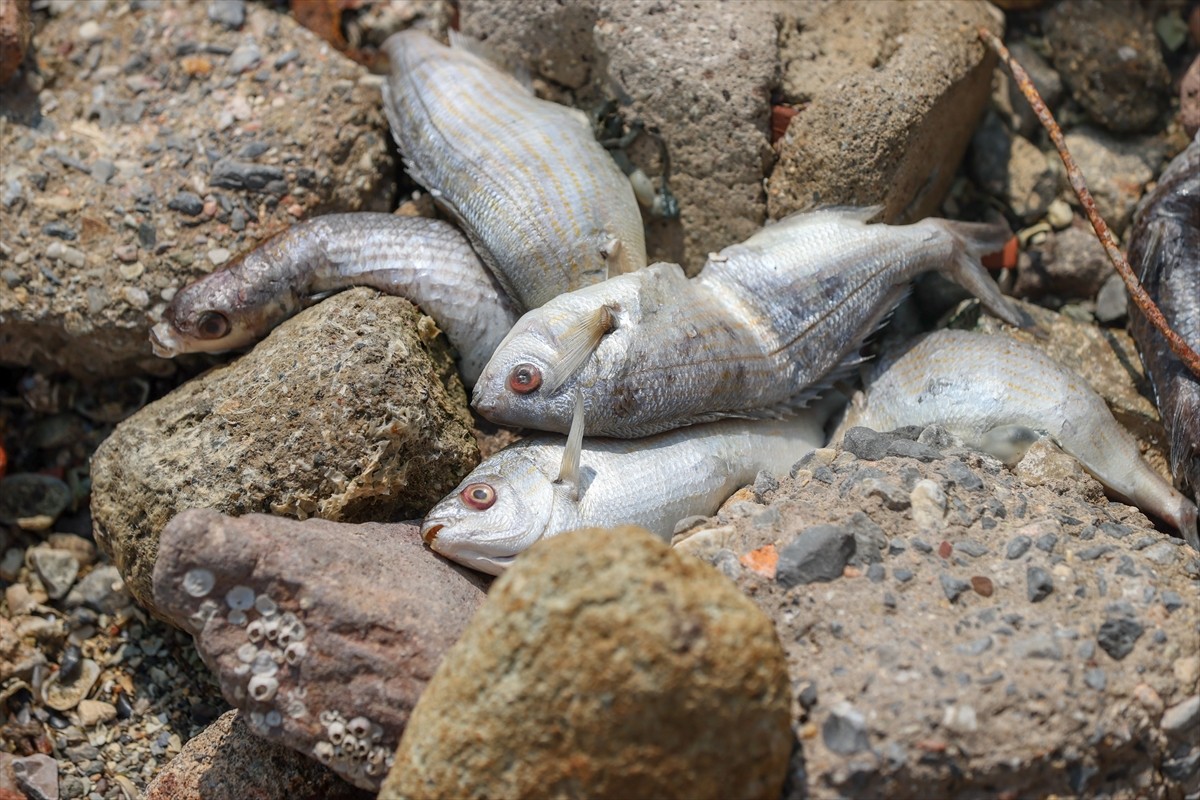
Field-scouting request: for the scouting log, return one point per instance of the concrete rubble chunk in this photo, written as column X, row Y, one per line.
column 604, row 665
column 323, row 634
column 344, row 412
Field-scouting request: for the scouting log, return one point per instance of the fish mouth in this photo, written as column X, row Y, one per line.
column 430, row 531
column 162, row 342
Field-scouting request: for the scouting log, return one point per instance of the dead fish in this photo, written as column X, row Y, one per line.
column 1001, row 395
column 544, row 485
column 543, row 202
column 763, row 323
column 426, row 261
column 1164, row 250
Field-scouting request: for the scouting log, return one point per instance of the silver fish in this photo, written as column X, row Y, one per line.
column 544, row 203
column 426, row 261
column 751, row 335
column 543, row 486
column 1001, row 395
column 1164, row 249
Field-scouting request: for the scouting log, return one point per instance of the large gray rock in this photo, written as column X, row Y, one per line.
column 699, row 73
column 1025, row 646
column 152, row 144
column 228, row 762
column 323, row 634
column 604, row 666
column 345, row 412
column 889, row 94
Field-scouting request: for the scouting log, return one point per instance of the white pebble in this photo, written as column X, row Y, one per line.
column 218, row 256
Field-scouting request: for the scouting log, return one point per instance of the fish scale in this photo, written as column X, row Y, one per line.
column 977, row 386
column 753, row 335
column 540, row 198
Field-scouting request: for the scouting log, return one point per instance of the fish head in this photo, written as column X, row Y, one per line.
column 531, row 378
column 220, row 312
column 500, row 510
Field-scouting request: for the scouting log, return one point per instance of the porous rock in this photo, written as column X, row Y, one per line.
column 698, row 74
column 323, row 634
column 889, row 95
column 928, row 689
column 1109, row 57
column 603, row 665
column 344, row 412
column 228, row 762
column 107, row 132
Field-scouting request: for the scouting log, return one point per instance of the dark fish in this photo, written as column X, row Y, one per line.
column 1164, row 250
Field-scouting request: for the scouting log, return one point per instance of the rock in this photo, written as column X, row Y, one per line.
column 344, row 412
column 1010, row 167
column 1070, row 263
column 1117, row 171
column 866, row 443
column 1038, row 584
column 1118, row 635
column 230, row 13
column 93, row 712
column 928, row 505
column 228, row 762
column 712, row 83
column 323, row 634
column 604, row 665
column 161, row 116
column 889, row 96
column 25, row 496
column 16, row 30
column 18, row 656
column 1182, row 718
column 56, row 568
column 1189, row 99
column 102, row 589
column 817, row 554
column 1109, row 58
column 1112, row 301
column 946, row 690
column 37, row 776
column 63, row 692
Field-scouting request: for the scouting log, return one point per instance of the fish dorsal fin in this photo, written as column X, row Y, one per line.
column 578, row 342
column 568, row 473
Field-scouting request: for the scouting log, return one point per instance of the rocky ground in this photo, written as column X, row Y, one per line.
column 942, row 625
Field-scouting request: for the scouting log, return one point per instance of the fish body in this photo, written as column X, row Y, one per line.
column 1164, row 249
column 517, row 497
column 1000, row 395
column 545, row 204
column 428, row 262
column 751, row 335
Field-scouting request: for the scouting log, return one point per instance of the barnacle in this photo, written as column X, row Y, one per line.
column 323, row 752
column 255, row 631
column 265, row 605
column 240, row 598
column 247, row 652
column 262, row 687
column 198, row 582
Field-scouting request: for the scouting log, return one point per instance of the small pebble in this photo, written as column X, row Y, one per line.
column 1118, row 635
column 1096, row 679
column 982, row 585
column 903, row 575
column 1038, row 584
column 186, row 203
column 1017, row 547
column 218, row 256
column 953, row 587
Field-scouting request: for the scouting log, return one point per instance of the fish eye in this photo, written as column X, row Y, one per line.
column 524, row 378
column 212, row 325
column 478, row 496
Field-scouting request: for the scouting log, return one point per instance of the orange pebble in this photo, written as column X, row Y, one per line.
column 1006, row 258
column 762, row 561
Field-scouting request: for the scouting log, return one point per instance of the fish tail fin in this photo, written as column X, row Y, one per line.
column 973, row 240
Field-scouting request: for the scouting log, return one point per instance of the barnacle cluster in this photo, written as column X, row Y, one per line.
column 353, row 746
column 274, row 640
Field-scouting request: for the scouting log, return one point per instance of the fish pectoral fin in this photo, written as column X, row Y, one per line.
column 568, row 473
column 1009, row 443
column 579, row 341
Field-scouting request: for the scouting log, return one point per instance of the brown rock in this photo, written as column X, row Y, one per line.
column 126, row 148
column 323, row 634
column 603, row 665
column 889, row 96
column 1110, row 59
column 344, row 412
column 227, row 762
column 1189, row 97
column 16, row 30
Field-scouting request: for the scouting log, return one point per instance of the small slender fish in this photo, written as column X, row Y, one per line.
column 1164, row 249
column 542, row 201
column 753, row 335
column 423, row 260
column 542, row 486
column 1001, row 395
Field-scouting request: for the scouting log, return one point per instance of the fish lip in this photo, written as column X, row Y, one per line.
column 162, row 342
column 430, row 531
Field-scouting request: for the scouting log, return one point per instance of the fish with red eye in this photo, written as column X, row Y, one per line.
column 525, row 378
column 479, row 496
